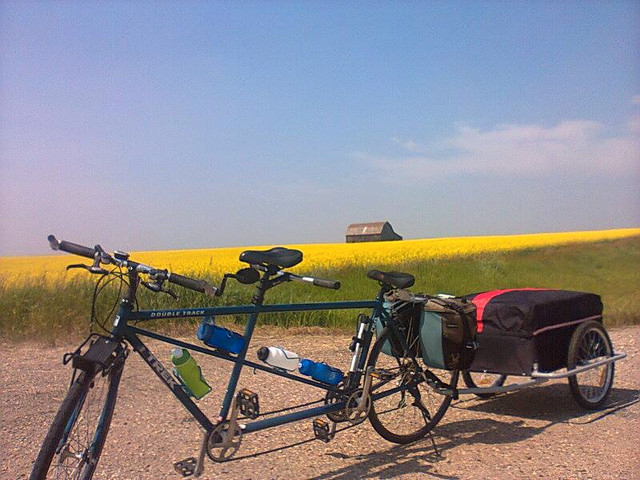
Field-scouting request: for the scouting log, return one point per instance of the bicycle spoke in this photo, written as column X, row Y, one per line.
column 412, row 406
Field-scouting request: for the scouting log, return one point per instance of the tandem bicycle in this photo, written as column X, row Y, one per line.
column 385, row 382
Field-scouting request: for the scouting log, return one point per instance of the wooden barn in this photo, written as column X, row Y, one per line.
column 371, row 232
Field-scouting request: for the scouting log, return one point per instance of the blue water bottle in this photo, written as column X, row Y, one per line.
column 306, row 366
column 320, row 371
column 219, row 337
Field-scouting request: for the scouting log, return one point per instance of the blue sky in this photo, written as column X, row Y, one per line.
column 154, row 125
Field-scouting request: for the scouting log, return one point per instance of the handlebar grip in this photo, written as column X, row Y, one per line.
column 201, row 286
column 69, row 247
column 321, row 282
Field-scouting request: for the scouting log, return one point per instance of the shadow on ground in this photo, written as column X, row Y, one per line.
column 550, row 404
column 418, row 458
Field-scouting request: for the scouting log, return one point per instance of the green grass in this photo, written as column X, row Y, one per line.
column 610, row 269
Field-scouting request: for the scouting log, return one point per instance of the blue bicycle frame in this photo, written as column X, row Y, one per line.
column 122, row 329
column 352, row 400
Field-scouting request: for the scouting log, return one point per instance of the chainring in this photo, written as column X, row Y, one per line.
column 223, row 443
column 352, row 413
column 332, row 397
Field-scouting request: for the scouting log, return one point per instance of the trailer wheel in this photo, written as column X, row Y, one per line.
column 483, row 380
column 590, row 342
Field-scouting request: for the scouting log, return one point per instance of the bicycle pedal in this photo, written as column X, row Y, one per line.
column 248, row 403
column 322, row 431
column 186, row 467
column 382, row 375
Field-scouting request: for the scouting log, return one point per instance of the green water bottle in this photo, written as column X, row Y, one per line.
column 189, row 373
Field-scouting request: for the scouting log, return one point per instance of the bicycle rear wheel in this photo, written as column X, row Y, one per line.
column 77, row 435
column 406, row 414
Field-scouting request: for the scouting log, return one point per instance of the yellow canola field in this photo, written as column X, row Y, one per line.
column 217, row 261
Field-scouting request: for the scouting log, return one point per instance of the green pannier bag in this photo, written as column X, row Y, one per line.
column 448, row 333
column 441, row 330
column 407, row 317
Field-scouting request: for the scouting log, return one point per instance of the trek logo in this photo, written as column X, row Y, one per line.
column 176, row 313
column 157, row 366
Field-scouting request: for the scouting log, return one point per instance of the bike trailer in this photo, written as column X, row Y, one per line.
column 525, row 330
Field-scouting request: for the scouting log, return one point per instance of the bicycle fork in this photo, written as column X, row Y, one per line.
column 359, row 343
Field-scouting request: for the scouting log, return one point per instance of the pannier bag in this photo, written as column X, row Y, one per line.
column 406, row 314
column 407, row 317
column 441, row 330
column 521, row 330
column 448, row 333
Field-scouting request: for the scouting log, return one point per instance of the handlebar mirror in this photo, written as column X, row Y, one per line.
column 247, row 276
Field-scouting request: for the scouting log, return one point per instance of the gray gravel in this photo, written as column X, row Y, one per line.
column 535, row 433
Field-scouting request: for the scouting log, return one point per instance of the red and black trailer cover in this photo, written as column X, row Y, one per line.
column 518, row 328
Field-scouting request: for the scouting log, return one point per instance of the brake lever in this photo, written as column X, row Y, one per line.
column 171, row 293
column 90, row 269
column 156, row 288
column 102, row 256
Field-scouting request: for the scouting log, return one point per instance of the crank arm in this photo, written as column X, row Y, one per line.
column 366, row 390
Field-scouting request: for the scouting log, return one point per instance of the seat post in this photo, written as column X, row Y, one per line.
column 257, row 300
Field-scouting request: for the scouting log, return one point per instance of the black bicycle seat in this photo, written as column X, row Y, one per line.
column 277, row 256
column 395, row 279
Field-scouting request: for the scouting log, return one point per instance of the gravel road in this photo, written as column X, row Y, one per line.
column 535, row 433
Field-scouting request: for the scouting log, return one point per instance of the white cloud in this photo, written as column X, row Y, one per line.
column 522, row 150
column 408, row 145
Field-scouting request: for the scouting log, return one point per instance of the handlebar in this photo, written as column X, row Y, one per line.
column 201, row 286
column 71, row 247
column 319, row 282
column 100, row 256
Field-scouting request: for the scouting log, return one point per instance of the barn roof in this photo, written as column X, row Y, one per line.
column 371, row 228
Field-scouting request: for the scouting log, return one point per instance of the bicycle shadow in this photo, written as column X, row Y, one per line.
column 552, row 403
column 420, row 458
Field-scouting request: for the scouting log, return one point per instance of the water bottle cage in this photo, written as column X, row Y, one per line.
column 184, row 386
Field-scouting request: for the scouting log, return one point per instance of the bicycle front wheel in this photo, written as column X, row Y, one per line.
column 77, row 435
column 405, row 411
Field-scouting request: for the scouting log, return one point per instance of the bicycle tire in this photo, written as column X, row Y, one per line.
column 589, row 342
column 483, row 380
column 390, row 422
column 76, row 411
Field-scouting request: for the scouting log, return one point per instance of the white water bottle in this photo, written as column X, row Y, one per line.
column 279, row 357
